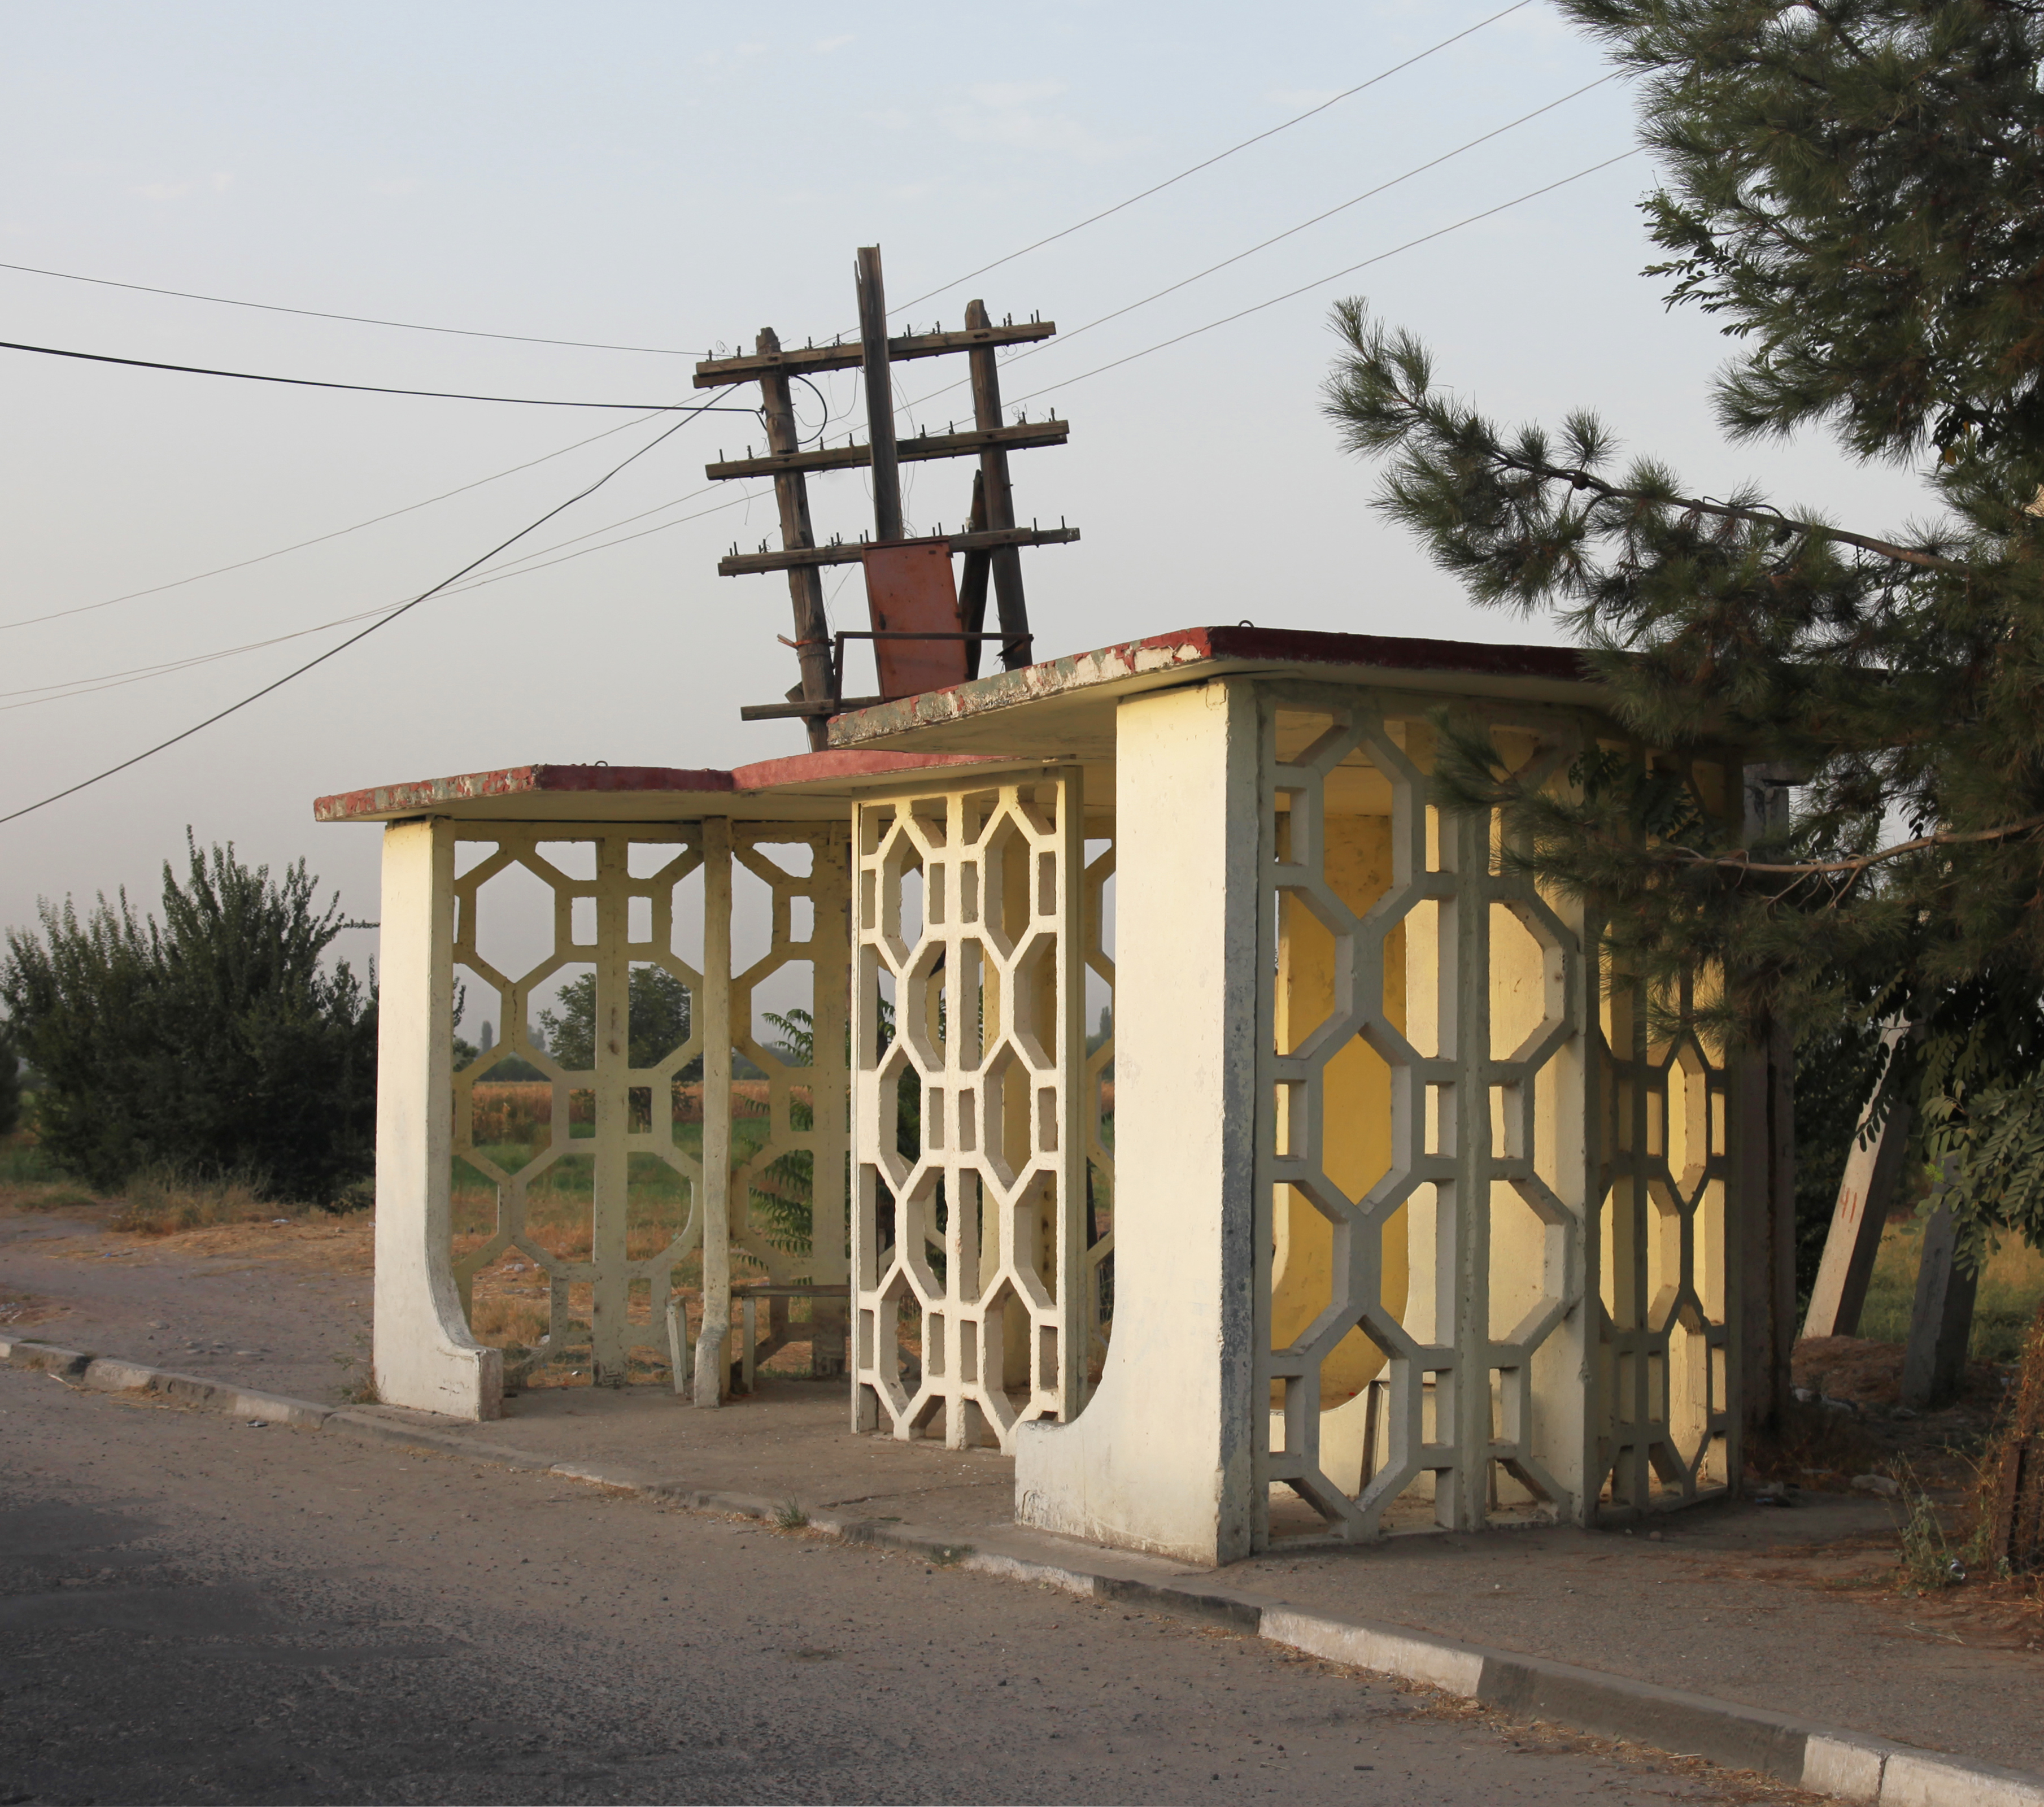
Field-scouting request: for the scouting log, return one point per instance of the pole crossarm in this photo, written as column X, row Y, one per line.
column 1016, row 438
column 802, row 360
column 849, row 551
column 910, row 587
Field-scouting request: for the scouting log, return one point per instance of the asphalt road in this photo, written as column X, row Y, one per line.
column 193, row 1611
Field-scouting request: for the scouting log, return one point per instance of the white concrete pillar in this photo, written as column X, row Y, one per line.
column 713, row 1335
column 423, row 1355
column 1162, row 1458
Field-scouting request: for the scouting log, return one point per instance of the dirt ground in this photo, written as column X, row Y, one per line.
column 283, row 1306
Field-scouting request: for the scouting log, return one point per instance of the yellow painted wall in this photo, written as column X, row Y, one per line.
column 1356, row 1132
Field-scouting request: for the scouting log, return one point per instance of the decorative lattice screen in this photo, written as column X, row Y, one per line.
column 969, row 1143
column 669, row 1122
column 1462, row 1150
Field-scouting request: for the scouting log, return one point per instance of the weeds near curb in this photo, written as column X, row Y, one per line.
column 793, row 1515
column 353, row 1392
column 1930, row 1559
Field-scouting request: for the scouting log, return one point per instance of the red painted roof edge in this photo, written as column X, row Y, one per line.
column 515, row 781
column 429, row 794
column 1270, row 645
column 845, row 763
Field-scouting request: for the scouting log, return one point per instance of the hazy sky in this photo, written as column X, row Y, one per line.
column 677, row 176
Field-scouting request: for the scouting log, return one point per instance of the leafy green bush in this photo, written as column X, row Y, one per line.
column 214, row 1042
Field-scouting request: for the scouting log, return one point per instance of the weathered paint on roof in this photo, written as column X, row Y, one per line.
column 1162, row 655
column 685, row 788
column 1082, row 686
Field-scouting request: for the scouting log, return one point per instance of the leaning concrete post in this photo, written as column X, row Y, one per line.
column 1163, row 1458
column 1866, row 1190
column 1934, row 1362
column 712, row 1351
column 423, row 1353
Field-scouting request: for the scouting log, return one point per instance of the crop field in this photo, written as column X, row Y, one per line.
column 513, row 1125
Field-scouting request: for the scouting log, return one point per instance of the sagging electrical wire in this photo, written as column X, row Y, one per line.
column 353, row 319
column 1321, row 282
column 352, row 639
column 37, row 695
column 317, row 539
column 1219, row 156
column 1064, row 338
column 675, row 352
column 371, row 388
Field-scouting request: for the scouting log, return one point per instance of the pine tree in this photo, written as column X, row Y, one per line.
column 1855, row 189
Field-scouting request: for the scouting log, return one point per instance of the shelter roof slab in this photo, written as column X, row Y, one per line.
column 805, row 787
column 1064, row 708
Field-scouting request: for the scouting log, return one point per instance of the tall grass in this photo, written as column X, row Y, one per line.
column 2012, row 1286
column 161, row 1201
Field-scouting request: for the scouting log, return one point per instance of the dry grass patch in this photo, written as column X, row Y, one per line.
column 161, row 1202
column 324, row 1243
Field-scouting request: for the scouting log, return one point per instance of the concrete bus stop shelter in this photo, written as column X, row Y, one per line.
column 1400, row 1216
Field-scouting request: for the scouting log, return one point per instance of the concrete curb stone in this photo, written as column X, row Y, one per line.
column 1848, row 1766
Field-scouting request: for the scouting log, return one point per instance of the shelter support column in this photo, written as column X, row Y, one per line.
column 424, row 1356
column 1162, row 1458
column 713, row 1337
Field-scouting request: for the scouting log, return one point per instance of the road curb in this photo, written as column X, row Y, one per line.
column 1848, row 1766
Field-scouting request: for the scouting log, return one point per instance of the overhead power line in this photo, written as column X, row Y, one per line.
column 317, row 539
column 1219, row 156
column 1322, row 282
column 353, row 319
column 676, row 352
column 532, row 562
column 37, row 695
column 352, row 639
column 1064, row 338
column 372, row 388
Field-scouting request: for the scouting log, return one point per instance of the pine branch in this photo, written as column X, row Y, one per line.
column 1731, row 511
column 1859, row 862
column 1580, row 479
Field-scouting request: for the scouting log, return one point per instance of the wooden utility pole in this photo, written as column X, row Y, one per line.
column 990, row 541
column 994, row 494
column 879, row 396
column 805, row 582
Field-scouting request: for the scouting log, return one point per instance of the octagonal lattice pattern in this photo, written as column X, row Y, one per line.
column 634, row 1149
column 1491, row 1207
column 1665, row 1422
column 969, row 1147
